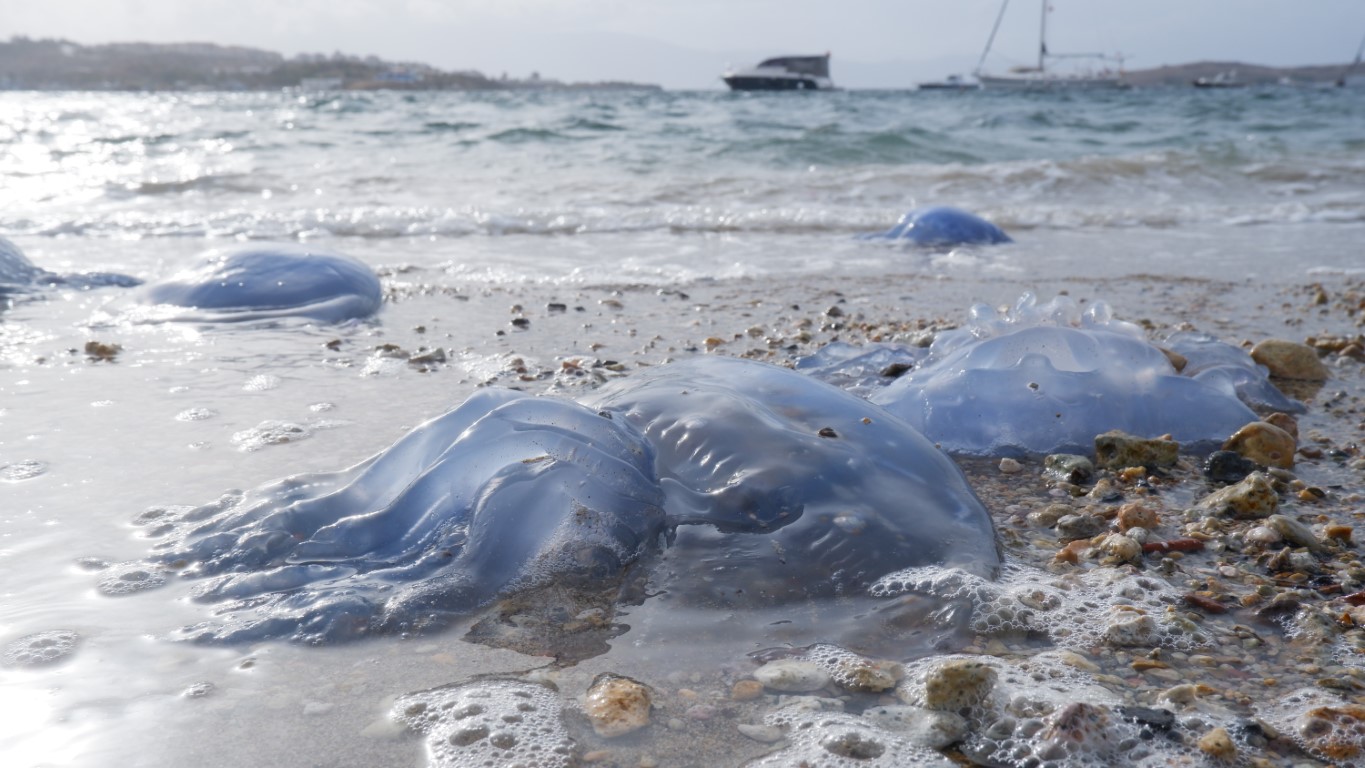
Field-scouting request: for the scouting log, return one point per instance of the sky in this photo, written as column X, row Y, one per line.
column 689, row 43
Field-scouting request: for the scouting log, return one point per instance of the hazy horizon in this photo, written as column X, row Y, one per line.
column 875, row 43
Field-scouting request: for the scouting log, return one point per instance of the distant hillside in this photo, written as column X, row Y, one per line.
column 27, row 64
column 1249, row 74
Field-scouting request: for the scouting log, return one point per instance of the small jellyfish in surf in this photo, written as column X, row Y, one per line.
column 19, row 275
column 267, row 283
column 942, row 226
column 1048, row 378
column 753, row 480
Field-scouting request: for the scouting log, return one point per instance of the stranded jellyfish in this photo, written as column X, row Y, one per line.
column 761, row 484
column 264, row 283
column 942, row 227
column 1048, row 378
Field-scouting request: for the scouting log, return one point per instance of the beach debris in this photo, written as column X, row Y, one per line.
column 1116, row 449
column 792, row 675
column 746, row 690
column 1228, row 466
column 957, row 685
column 1252, row 498
column 102, row 352
column 1069, row 468
column 1263, row 443
column 1137, row 515
column 1290, row 360
column 617, row 705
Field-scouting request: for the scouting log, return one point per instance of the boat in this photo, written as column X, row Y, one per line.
column 783, row 73
column 1227, row 79
column 1040, row 76
column 1360, row 52
column 950, row 83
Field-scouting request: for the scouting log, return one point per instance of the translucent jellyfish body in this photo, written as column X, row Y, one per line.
column 942, row 226
column 762, row 483
column 1049, row 378
column 505, row 492
column 18, row 274
column 263, row 283
column 785, row 487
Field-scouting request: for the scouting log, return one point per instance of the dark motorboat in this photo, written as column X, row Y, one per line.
column 951, row 83
column 783, row 73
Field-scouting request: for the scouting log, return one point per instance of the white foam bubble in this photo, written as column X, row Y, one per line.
column 40, row 648
column 1138, row 610
column 127, row 578
column 490, row 724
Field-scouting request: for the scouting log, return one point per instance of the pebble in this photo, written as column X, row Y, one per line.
column 1218, row 744
column 1129, row 629
column 1116, row 449
column 926, row 727
column 792, row 676
column 1263, row 443
column 1286, row 422
column 1118, row 549
column 1080, row 526
column 1068, row 467
column 1289, row 360
column 617, row 705
column 766, row 734
column 1228, row 466
column 1263, row 535
column 958, row 684
column 1335, row 732
column 746, row 690
column 1135, row 515
column 1010, row 466
column 1253, row 498
column 1294, row 532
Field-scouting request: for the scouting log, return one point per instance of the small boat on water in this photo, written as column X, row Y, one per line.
column 1226, row 79
column 783, row 73
column 1040, row 76
column 950, row 83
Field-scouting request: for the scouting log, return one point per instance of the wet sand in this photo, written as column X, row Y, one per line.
column 287, row 705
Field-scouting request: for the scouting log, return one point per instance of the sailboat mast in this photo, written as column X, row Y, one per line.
column 1042, row 37
column 991, row 40
column 1341, row 81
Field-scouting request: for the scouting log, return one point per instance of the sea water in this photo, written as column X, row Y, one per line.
column 660, row 221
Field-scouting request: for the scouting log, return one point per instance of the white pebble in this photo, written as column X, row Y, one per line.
column 767, row 734
column 792, row 676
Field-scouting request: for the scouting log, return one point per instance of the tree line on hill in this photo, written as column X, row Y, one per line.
column 50, row 64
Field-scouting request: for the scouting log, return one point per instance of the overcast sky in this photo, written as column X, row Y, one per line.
column 688, row 43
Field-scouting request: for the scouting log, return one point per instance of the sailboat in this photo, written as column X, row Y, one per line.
column 1041, row 76
column 1341, row 81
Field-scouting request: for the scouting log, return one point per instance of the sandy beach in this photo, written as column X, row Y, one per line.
column 548, row 339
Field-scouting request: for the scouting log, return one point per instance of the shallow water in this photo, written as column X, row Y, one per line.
column 1171, row 206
